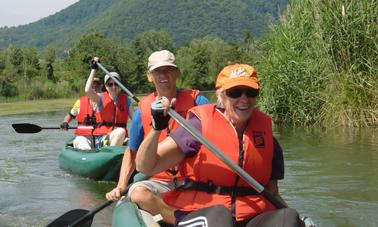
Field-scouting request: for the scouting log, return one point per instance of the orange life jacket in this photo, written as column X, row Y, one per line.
column 206, row 167
column 86, row 118
column 185, row 100
column 111, row 116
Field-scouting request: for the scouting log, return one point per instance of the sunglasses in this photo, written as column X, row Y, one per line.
column 237, row 92
column 112, row 84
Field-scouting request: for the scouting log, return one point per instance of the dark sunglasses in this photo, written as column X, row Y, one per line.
column 237, row 92
column 112, row 84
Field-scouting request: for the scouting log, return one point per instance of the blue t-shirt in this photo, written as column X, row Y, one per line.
column 136, row 132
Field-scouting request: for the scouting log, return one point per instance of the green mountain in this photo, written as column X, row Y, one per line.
column 183, row 20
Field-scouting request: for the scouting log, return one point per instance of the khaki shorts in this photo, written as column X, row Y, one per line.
column 155, row 186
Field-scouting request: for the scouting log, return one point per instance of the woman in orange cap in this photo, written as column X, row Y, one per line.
column 212, row 192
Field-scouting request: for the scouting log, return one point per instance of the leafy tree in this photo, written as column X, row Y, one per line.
column 49, row 57
column 86, row 48
column 8, row 90
column 15, row 55
column 202, row 59
column 114, row 56
column 3, row 60
column 30, row 64
column 144, row 44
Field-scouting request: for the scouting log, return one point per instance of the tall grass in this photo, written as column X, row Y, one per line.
column 319, row 64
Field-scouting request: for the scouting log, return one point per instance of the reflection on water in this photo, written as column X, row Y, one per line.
column 34, row 191
column 330, row 176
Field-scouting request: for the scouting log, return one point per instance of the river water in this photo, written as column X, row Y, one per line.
column 331, row 175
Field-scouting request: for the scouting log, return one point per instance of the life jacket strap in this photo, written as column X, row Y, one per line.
column 104, row 123
column 85, row 123
column 210, row 187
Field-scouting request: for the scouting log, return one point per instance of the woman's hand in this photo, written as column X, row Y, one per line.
column 94, row 62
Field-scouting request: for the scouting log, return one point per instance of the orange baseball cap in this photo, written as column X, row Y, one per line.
column 237, row 75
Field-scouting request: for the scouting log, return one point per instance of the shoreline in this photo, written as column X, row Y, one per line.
column 50, row 105
column 36, row 106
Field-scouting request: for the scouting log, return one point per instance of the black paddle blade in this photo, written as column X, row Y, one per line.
column 26, row 128
column 70, row 217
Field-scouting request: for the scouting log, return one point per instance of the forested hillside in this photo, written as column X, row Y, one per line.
column 317, row 65
column 123, row 19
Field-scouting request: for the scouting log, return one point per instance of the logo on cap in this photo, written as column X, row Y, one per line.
column 238, row 72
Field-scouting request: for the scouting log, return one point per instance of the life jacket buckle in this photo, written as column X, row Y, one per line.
column 210, row 186
column 180, row 183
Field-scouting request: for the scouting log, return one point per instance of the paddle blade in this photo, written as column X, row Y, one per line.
column 70, row 217
column 26, row 128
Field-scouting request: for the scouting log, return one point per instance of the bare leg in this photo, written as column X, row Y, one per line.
column 117, row 136
column 83, row 143
column 152, row 203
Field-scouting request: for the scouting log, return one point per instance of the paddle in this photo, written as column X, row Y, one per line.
column 31, row 128
column 194, row 132
column 81, row 217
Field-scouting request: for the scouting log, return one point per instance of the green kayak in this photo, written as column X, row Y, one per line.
column 126, row 213
column 100, row 164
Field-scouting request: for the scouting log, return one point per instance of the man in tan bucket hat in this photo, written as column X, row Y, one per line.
column 163, row 72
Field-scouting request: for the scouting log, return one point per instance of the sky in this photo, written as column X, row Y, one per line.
column 19, row 12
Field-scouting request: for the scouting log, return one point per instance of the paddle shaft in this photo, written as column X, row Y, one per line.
column 57, row 127
column 256, row 185
column 69, row 217
column 92, row 212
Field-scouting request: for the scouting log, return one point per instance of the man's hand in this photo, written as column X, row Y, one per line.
column 64, row 126
column 115, row 194
column 159, row 112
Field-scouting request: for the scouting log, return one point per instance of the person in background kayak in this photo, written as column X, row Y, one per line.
column 163, row 73
column 84, row 111
column 113, row 109
column 211, row 192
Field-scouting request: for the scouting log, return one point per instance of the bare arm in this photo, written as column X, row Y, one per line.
column 88, row 88
column 153, row 157
column 273, row 188
column 68, row 118
column 127, row 169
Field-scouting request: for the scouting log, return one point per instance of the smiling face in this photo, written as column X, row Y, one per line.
column 112, row 88
column 239, row 103
column 164, row 79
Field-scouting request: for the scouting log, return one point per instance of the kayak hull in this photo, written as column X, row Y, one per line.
column 126, row 213
column 100, row 164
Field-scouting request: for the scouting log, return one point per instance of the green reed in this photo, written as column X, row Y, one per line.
column 319, row 64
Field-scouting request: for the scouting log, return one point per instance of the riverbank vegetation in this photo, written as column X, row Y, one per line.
column 35, row 106
column 318, row 65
